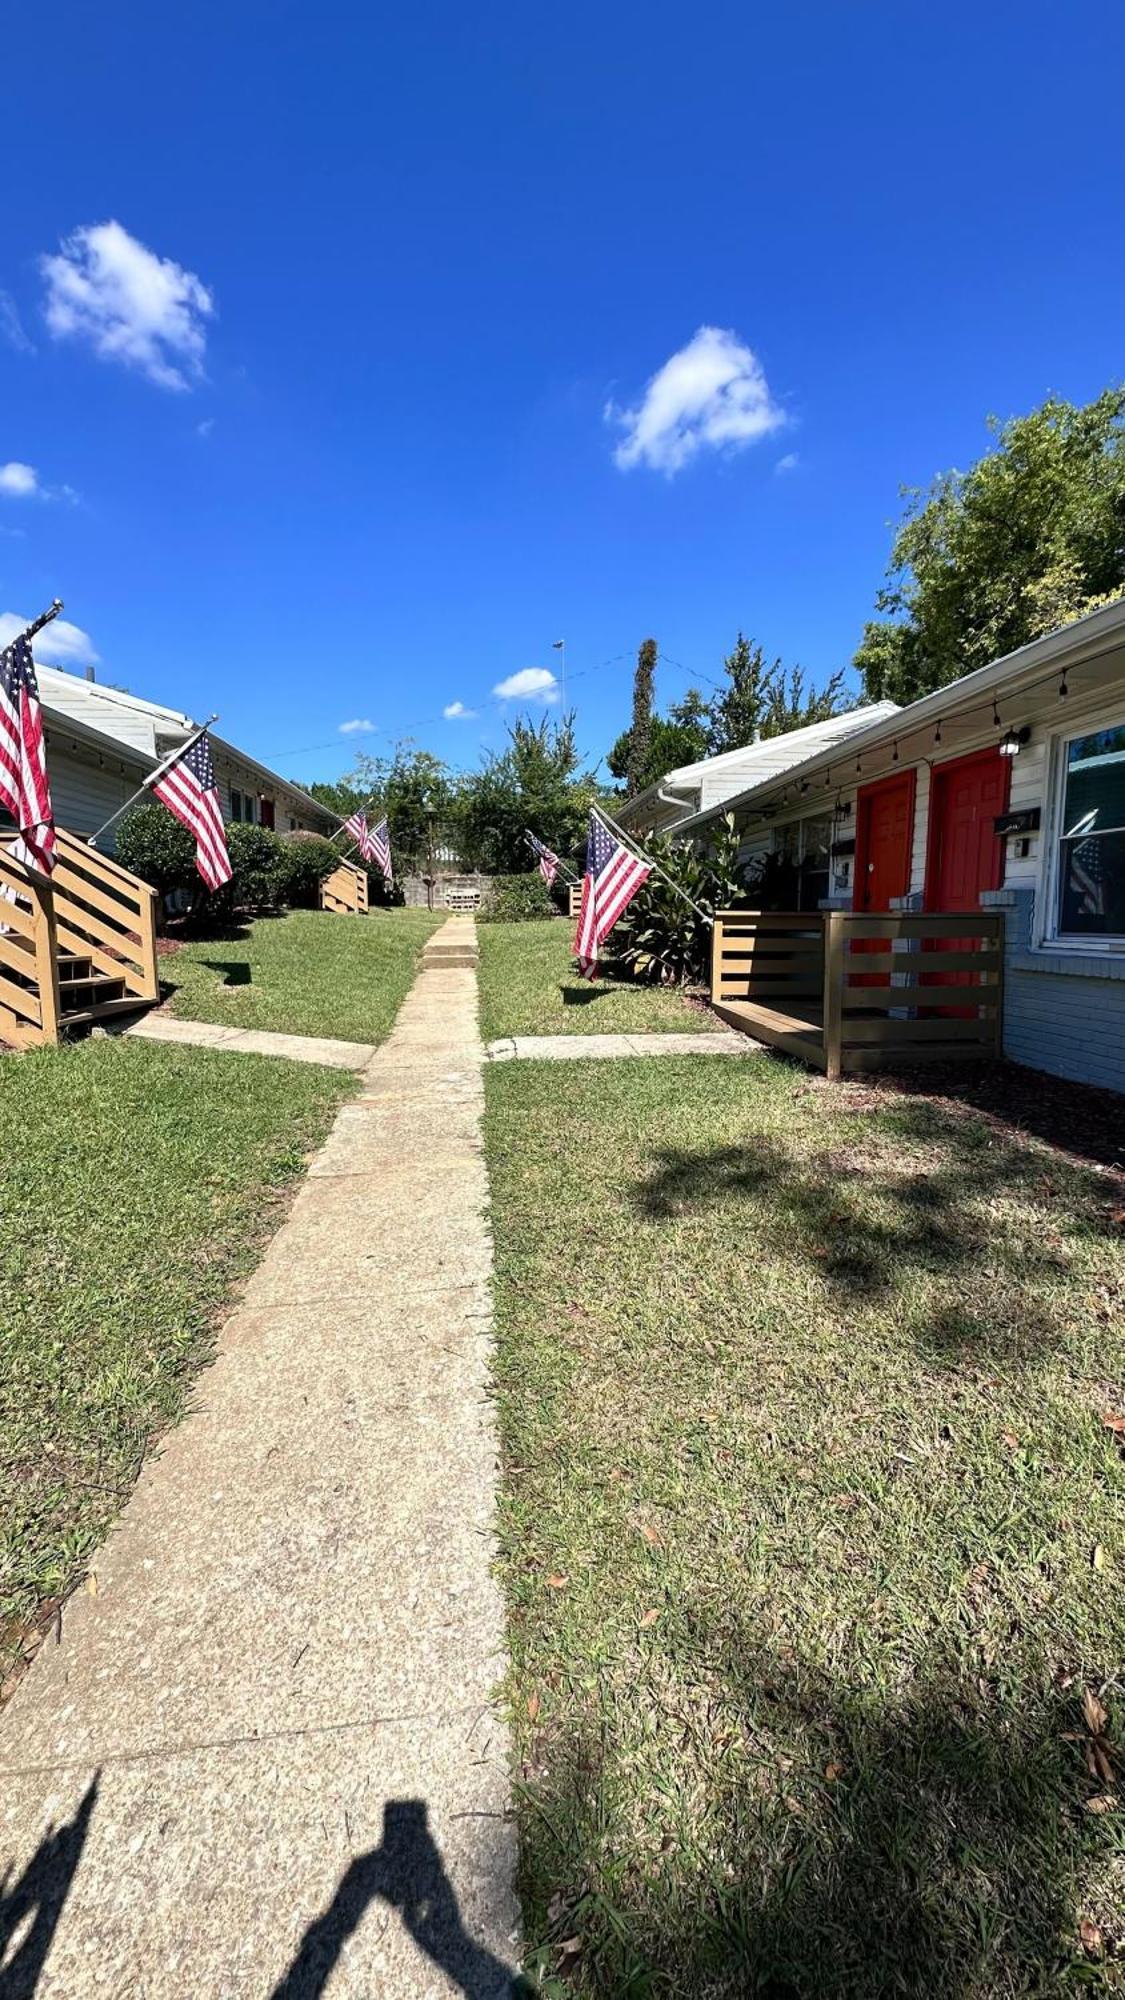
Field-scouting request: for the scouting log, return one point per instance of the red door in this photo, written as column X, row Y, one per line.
column 965, row 856
column 267, row 812
column 884, row 835
column 884, row 831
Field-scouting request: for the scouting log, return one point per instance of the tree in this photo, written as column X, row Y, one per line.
column 678, row 738
column 536, row 782
column 640, row 731
column 417, row 792
column 764, row 698
column 983, row 561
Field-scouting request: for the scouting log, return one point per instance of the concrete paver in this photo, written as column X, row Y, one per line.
column 608, row 1048
column 252, row 1041
column 270, row 1731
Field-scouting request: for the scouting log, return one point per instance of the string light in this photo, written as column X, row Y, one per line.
column 937, row 734
column 894, row 759
column 1063, row 688
column 995, row 714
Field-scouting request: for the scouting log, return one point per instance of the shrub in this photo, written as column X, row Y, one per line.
column 261, row 866
column 518, row 899
column 661, row 937
column 309, row 861
column 156, row 847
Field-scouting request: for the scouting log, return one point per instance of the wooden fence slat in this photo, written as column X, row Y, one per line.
column 891, row 1033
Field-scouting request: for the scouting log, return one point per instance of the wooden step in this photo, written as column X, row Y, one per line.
column 80, row 995
column 82, row 1015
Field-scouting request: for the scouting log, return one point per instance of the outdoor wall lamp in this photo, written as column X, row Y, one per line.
column 1013, row 741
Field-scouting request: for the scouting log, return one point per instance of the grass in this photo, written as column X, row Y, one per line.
column 528, row 986
column 139, row 1184
column 307, row 973
column 813, row 1537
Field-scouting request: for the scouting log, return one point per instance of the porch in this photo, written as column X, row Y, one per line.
column 848, row 991
column 75, row 946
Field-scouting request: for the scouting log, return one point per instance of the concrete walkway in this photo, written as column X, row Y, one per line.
column 252, row 1041
column 578, row 1048
column 262, row 1760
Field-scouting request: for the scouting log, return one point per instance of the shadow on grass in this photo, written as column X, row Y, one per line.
column 232, row 971
column 582, row 996
column 934, row 1847
column 31, row 1907
column 873, row 1228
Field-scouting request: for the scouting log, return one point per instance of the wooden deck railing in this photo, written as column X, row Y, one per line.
column 345, row 891
column 74, row 945
column 855, row 992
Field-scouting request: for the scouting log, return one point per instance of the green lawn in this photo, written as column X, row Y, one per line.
column 813, row 1537
column 528, row 986
column 140, row 1183
column 307, row 973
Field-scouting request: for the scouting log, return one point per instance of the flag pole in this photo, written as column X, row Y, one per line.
column 638, row 853
column 567, row 871
column 44, row 618
column 173, row 757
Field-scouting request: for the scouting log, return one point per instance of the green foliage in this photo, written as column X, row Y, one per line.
column 309, row 860
column 661, row 937
column 519, row 899
column 341, row 797
column 153, row 845
column 676, row 739
column 536, row 782
column 640, row 731
column 764, row 698
column 1030, row 537
column 260, row 863
column 416, row 791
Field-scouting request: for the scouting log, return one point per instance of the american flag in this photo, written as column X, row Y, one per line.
column 188, row 789
column 381, row 848
column 24, row 790
column 548, row 862
column 613, row 876
column 361, row 833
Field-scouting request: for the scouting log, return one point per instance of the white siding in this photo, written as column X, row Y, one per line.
column 85, row 793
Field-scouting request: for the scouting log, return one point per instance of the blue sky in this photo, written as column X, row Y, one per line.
column 351, row 417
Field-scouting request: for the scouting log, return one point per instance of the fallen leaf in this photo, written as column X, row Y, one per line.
column 1101, row 1803
column 793, row 1806
column 1091, row 1936
column 832, row 1772
column 92, row 1584
column 556, row 1908
column 558, row 1582
column 533, row 1706
column 651, row 1536
column 1011, row 1440
column 1114, row 1420
column 569, row 1948
column 649, row 1617
column 1095, row 1714
column 844, row 1500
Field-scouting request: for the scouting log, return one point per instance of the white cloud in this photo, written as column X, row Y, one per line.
column 712, row 394
column 789, row 463
column 131, row 305
column 204, row 429
column 11, row 325
column 531, row 683
column 59, row 644
column 455, row 711
column 359, row 725
column 19, row 482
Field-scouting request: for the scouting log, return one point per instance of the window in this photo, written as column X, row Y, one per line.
column 235, row 804
column 801, row 869
column 1090, row 886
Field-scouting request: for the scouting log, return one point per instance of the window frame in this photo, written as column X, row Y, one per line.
column 1102, row 944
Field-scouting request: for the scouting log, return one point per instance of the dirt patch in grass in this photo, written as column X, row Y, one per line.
column 813, row 1535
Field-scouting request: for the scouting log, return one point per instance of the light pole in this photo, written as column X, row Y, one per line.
column 559, row 646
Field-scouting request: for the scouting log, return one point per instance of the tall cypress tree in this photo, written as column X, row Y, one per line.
column 641, row 727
